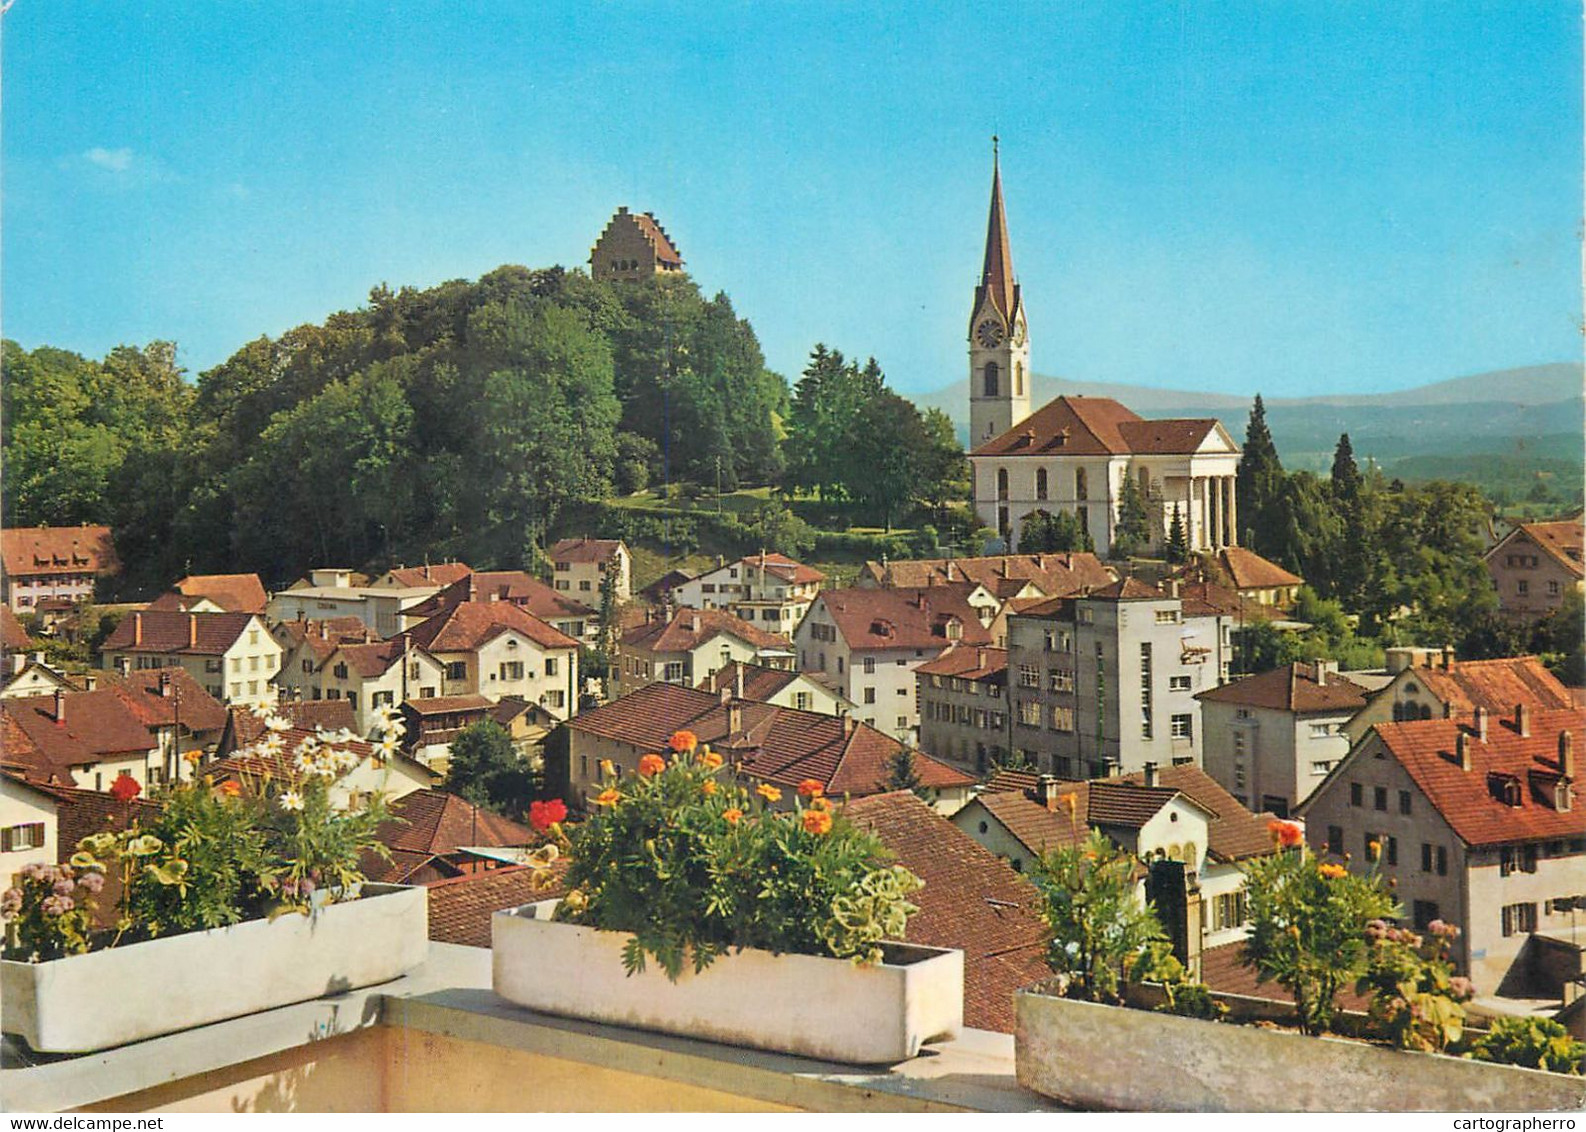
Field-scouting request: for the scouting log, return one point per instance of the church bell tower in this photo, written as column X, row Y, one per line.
column 999, row 340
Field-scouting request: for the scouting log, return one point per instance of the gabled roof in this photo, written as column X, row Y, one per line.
column 1100, row 426
column 431, row 823
column 690, row 628
column 782, row 746
column 468, row 625
column 1497, row 685
column 665, row 250
column 1125, row 804
column 781, row 566
column 1037, row 828
column 1235, row 833
column 168, row 631
column 96, row 726
column 1054, row 574
column 1560, row 540
column 1250, row 571
column 1471, row 801
column 759, row 682
column 972, row 900
column 1128, row 589
column 244, row 728
column 1292, row 688
column 234, row 593
column 584, row 549
column 898, row 618
column 461, row 907
column 13, row 637
column 512, row 587
column 370, row 660
column 158, row 705
column 967, row 662
column 665, row 584
column 28, row 551
column 447, row 705
column 417, row 577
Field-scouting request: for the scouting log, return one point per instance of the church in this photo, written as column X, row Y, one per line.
column 1074, row 453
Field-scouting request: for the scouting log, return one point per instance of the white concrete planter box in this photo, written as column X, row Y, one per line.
column 1111, row 1057
column 803, row 1004
column 141, row 990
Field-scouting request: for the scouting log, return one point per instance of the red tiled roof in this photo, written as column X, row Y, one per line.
column 1561, row 541
column 1250, row 571
column 29, row 551
column 253, row 766
column 98, row 726
column 168, row 631
column 13, row 637
column 1054, row 574
column 782, row 746
column 1468, row 800
column 898, row 618
column 759, row 682
column 1293, row 688
column 781, row 566
column 997, row 283
column 690, row 628
column 461, row 907
column 21, row 756
column 584, row 550
column 438, row 574
column 966, row 662
column 1124, row 803
column 141, row 691
column 1497, row 685
column 80, row 813
column 1035, row 827
column 442, row 705
column 370, row 660
column 234, row 593
column 243, row 728
column 665, row 251
column 1097, row 426
column 466, row 626
column 971, row 900
column 1233, row 831
column 432, row 823
column 513, row 587
column 1167, row 437
column 665, row 584
column 1003, row 780
column 1223, row 969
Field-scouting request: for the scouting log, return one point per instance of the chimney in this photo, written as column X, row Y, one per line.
column 137, row 629
column 1172, row 587
column 1320, row 666
column 1150, row 774
column 734, row 718
column 1046, row 790
column 192, row 630
column 725, row 695
column 1522, row 720
column 1448, row 657
column 1481, row 724
column 1566, row 755
column 1462, row 750
column 693, row 623
column 165, row 684
column 737, row 674
column 848, row 725
column 980, row 658
column 60, row 705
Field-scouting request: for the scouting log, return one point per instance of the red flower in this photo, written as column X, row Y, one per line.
column 1286, row 834
column 811, row 788
column 125, row 787
column 683, row 741
column 543, row 815
column 651, row 764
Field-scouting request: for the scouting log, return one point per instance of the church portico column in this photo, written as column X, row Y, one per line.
column 1227, row 484
column 1214, row 501
column 1233, row 511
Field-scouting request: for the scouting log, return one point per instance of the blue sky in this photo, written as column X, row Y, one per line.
column 1292, row 197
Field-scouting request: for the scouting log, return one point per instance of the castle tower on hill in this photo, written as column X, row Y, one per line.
column 999, row 341
column 634, row 246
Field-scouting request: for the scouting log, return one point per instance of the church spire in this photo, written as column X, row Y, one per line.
column 996, row 277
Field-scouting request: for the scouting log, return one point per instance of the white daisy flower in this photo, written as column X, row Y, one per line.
column 291, row 800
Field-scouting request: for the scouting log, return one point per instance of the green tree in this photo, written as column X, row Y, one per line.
column 902, row 773
column 1042, row 532
column 1259, row 483
column 1177, row 541
column 1133, row 533
column 778, row 529
column 485, row 770
column 1346, row 476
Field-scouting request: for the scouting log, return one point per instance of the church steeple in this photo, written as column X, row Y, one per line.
column 999, row 347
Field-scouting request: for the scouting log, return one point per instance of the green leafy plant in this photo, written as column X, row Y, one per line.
column 1308, row 924
column 1539, row 1043
column 1156, row 963
column 694, row 865
column 49, row 911
column 1097, row 925
column 1415, row 995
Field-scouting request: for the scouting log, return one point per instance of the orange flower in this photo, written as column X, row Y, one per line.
column 651, row 764
column 822, row 804
column 230, row 789
column 608, row 769
column 708, row 786
column 732, row 816
column 768, row 792
column 1285, row 834
column 1373, row 849
column 811, row 788
column 1333, row 872
column 607, row 797
column 711, row 759
column 817, row 821
column 683, row 741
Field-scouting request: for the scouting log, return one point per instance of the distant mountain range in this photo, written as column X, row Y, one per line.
column 1531, row 412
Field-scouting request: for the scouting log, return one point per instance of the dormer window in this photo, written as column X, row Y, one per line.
column 1505, row 788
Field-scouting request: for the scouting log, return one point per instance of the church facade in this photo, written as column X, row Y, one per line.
column 1075, row 453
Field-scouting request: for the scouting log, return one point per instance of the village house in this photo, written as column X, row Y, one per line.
column 1175, row 814
column 332, row 594
column 495, row 649
column 180, row 715
column 1536, row 565
column 1049, row 575
column 54, row 564
column 306, row 645
column 581, row 565
column 1446, row 688
column 770, row 590
column 433, row 835
column 1274, row 736
column 233, row 656
column 633, row 247
column 575, row 618
column 395, row 777
column 1475, row 820
column 691, row 647
column 527, row 724
column 29, row 824
column 243, row 727
column 1256, row 579
column 215, row 593
column 764, row 743
column 375, row 674
column 781, row 686
column 85, row 739
column 430, row 725
column 964, row 716
column 869, row 642
column 1106, row 681
column 436, row 576
column 30, row 676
